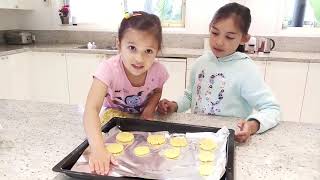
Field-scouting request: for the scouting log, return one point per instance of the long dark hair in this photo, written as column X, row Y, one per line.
column 143, row 21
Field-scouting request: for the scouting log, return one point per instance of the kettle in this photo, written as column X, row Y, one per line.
column 266, row 45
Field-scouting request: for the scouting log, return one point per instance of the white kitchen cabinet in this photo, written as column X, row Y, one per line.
column 5, row 76
column 262, row 67
column 48, row 77
column 175, row 85
column 310, row 109
column 287, row 81
column 14, row 74
column 80, row 70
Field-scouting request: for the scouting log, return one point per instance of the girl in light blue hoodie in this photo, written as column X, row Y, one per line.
column 224, row 82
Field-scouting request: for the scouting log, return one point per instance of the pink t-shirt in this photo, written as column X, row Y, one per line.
column 121, row 94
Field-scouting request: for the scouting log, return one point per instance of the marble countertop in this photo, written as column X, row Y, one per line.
column 36, row 136
column 166, row 52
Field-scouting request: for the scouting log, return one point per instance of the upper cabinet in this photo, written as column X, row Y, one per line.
column 16, row 4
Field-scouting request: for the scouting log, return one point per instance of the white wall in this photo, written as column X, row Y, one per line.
column 266, row 17
column 8, row 20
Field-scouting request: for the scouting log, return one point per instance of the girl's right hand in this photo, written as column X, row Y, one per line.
column 165, row 106
column 99, row 161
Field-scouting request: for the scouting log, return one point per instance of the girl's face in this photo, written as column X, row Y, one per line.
column 225, row 37
column 138, row 50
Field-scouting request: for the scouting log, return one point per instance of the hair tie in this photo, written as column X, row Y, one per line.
column 128, row 15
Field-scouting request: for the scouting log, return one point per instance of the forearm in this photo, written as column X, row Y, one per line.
column 154, row 100
column 92, row 128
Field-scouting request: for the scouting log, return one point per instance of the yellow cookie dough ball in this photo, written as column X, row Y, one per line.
column 206, row 169
column 115, row 148
column 125, row 137
column 172, row 153
column 178, row 142
column 206, row 156
column 207, row 144
column 156, row 139
column 141, row 150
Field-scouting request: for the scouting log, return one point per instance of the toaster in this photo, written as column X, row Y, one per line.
column 18, row 37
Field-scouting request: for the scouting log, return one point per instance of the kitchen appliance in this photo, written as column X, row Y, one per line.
column 259, row 44
column 18, row 37
column 266, row 45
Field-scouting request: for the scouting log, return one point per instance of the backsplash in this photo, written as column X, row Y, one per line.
column 190, row 41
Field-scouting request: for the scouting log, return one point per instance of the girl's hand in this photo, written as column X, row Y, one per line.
column 99, row 162
column 247, row 128
column 165, row 107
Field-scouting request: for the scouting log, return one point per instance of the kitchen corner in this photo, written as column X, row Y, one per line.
column 44, row 133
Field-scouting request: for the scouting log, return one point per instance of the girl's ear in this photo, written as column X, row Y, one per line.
column 245, row 38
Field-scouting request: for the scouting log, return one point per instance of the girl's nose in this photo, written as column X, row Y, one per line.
column 139, row 58
column 219, row 41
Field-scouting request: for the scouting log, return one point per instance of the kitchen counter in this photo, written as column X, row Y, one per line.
column 166, row 52
column 36, row 136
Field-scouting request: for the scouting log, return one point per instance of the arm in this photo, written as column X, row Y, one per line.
column 149, row 110
column 259, row 96
column 100, row 159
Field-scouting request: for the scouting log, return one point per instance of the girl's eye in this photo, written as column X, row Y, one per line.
column 230, row 37
column 149, row 51
column 131, row 48
column 214, row 33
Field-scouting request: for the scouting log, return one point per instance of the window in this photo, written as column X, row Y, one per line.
column 302, row 13
column 170, row 12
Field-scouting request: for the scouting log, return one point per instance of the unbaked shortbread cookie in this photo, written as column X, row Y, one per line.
column 141, row 150
column 156, row 139
column 178, row 141
column 207, row 144
column 125, row 137
column 115, row 148
column 172, row 153
column 206, row 156
column 206, row 169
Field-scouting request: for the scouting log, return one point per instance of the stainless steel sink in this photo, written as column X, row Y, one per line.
column 98, row 47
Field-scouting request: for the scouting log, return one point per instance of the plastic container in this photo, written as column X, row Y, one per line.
column 128, row 124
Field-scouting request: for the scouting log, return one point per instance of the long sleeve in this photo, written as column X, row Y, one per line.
column 184, row 102
column 259, row 96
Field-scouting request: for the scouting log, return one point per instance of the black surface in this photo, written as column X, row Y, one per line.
column 126, row 124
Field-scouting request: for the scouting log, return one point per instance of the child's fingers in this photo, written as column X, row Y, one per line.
column 114, row 161
column 91, row 166
column 105, row 167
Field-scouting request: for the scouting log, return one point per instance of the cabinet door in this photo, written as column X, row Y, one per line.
column 262, row 66
column 48, row 77
column 5, row 76
column 310, row 109
column 287, row 81
column 80, row 70
column 19, row 76
column 175, row 85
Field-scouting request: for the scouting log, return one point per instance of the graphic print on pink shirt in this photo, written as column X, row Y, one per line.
column 121, row 94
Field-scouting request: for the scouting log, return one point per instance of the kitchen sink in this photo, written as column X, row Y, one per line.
column 98, row 47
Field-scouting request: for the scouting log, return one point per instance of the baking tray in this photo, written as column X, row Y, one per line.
column 130, row 124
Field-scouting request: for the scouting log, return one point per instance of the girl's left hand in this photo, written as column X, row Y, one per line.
column 247, row 128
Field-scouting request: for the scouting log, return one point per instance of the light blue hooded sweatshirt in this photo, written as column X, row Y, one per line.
column 230, row 86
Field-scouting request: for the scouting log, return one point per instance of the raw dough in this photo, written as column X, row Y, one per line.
column 156, row 139
column 207, row 144
column 115, row 148
column 172, row 153
column 178, row 141
column 206, row 156
column 141, row 150
column 125, row 137
column 206, row 169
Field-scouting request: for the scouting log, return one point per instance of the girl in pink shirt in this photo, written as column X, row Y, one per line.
column 131, row 81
